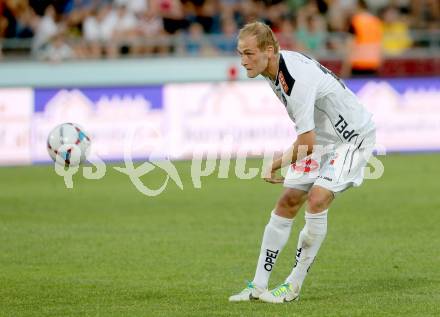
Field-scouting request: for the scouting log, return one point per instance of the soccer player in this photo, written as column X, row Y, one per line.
column 335, row 139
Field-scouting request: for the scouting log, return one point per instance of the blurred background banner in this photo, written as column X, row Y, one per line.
column 215, row 118
column 241, row 118
column 406, row 111
column 250, row 117
column 16, row 111
column 106, row 113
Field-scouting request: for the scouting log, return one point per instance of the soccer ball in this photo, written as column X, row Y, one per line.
column 68, row 144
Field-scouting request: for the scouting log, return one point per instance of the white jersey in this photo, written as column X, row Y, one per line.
column 316, row 99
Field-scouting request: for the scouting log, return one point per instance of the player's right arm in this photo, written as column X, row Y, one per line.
column 300, row 105
column 302, row 147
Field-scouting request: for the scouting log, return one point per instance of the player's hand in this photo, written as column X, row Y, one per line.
column 270, row 176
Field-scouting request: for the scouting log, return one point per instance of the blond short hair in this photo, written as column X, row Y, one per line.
column 264, row 35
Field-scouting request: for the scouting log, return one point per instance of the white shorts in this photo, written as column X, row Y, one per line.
column 336, row 168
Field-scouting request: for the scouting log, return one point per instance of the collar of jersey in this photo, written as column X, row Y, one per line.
column 281, row 65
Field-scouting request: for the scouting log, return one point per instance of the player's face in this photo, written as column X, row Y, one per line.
column 252, row 58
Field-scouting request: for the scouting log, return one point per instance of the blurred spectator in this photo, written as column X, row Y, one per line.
column 295, row 5
column 425, row 13
column 57, row 49
column 149, row 32
column 226, row 41
column 249, row 11
column 79, row 6
column 364, row 47
column 39, row 6
column 3, row 26
column 78, row 11
column 396, row 36
column 8, row 16
column 286, row 35
column 172, row 13
column 45, row 29
column 92, row 34
column 20, row 19
column 98, row 31
column 196, row 43
column 202, row 12
column 337, row 15
column 275, row 16
column 108, row 28
column 134, row 6
column 108, row 22
column 125, row 30
column 311, row 33
column 25, row 22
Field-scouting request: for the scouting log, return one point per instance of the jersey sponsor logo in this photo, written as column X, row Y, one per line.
column 343, row 129
column 326, row 178
column 283, row 82
column 284, row 78
column 270, row 259
column 298, row 254
column 305, row 166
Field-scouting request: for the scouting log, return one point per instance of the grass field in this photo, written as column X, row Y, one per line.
column 103, row 249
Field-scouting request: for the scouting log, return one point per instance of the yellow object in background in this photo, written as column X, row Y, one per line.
column 396, row 38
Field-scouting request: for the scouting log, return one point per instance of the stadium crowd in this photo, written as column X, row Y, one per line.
column 64, row 29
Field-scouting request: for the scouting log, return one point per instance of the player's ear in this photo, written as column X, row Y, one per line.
column 270, row 50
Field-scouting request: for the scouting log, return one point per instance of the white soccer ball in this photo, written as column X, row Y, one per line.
column 68, row 144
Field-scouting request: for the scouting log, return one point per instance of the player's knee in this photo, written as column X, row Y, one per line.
column 319, row 200
column 290, row 203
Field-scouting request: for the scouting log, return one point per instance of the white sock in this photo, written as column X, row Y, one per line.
column 309, row 241
column 275, row 236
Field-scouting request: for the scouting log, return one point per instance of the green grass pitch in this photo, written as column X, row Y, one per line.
column 104, row 249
